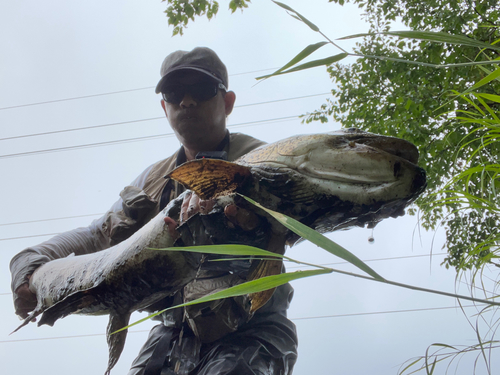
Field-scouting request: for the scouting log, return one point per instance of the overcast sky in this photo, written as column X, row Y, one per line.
column 66, row 176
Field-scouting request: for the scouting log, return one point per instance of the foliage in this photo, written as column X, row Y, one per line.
column 406, row 85
column 417, row 102
column 180, row 12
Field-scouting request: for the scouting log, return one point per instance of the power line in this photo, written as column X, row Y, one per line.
column 134, row 139
column 381, row 312
column 374, row 260
column 74, row 98
column 110, row 93
column 345, row 262
column 147, row 119
column 293, row 319
column 33, row 236
column 52, row 219
column 82, row 128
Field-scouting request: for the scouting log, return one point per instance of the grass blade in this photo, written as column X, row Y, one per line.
column 319, row 240
column 300, row 16
column 311, row 64
column 300, row 56
column 254, row 286
column 437, row 37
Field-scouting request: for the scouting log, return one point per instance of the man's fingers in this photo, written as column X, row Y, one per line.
column 172, row 225
column 184, row 207
column 25, row 301
column 206, row 206
column 246, row 220
column 194, row 205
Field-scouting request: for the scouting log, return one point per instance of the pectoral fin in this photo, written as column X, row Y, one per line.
column 264, row 268
column 210, row 178
column 116, row 341
column 267, row 268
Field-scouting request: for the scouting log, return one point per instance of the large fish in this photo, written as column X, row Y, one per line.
column 327, row 181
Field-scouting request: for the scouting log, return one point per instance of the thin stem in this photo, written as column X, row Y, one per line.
column 385, row 281
column 332, row 42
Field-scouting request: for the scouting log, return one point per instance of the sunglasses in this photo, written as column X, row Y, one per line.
column 200, row 92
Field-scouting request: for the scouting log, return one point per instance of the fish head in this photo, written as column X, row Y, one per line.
column 328, row 181
column 340, row 179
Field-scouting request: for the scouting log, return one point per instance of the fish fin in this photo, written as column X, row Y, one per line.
column 28, row 319
column 264, row 268
column 210, row 178
column 116, row 341
column 267, row 268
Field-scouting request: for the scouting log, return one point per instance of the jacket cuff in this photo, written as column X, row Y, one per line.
column 23, row 265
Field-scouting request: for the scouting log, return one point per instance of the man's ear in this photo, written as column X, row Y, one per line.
column 229, row 100
column 163, row 105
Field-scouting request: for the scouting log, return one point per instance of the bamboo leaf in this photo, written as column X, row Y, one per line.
column 311, row 64
column 254, row 286
column 490, row 77
column 302, row 18
column 300, row 56
column 431, row 36
column 238, row 250
column 318, row 239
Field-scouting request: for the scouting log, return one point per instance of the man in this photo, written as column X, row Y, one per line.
column 196, row 102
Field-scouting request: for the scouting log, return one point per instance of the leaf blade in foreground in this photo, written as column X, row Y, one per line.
column 254, row 286
column 319, row 240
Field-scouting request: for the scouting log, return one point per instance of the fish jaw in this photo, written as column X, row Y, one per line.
column 347, row 156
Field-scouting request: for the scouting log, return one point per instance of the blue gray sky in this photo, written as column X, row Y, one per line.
column 94, row 66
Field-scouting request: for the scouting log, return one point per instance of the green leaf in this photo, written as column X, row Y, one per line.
column 490, row 77
column 431, row 36
column 300, row 56
column 254, row 286
column 237, row 250
column 319, row 240
column 311, row 64
column 302, row 18
column 490, row 97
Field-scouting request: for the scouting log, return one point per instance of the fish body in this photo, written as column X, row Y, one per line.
column 327, row 181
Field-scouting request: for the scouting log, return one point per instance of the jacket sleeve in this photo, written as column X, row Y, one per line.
column 124, row 217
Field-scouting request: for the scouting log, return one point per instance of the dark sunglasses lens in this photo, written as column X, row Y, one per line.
column 174, row 94
column 203, row 91
column 199, row 92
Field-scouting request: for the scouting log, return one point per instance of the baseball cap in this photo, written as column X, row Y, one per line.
column 201, row 59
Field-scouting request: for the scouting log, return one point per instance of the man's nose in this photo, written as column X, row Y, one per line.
column 187, row 101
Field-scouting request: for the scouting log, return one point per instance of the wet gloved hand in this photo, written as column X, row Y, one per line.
column 24, row 300
column 192, row 204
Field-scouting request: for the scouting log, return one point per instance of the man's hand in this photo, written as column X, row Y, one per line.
column 24, row 300
column 192, row 204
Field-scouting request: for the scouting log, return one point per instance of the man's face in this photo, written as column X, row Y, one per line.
column 197, row 123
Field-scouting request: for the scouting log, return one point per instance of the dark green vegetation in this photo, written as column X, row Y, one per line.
column 420, row 104
column 426, row 89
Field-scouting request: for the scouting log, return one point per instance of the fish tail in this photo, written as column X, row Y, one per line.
column 116, row 341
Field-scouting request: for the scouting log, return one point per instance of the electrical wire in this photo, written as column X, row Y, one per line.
column 146, row 119
column 52, row 219
column 345, row 262
column 135, row 139
column 112, row 92
column 292, row 319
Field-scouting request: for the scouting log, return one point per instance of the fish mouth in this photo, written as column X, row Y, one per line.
column 393, row 146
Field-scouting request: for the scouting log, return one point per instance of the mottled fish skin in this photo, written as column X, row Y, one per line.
column 117, row 281
column 327, row 181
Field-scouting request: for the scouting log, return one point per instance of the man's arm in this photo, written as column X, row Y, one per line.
column 96, row 237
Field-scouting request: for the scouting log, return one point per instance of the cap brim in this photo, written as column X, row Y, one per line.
column 172, row 72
